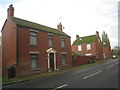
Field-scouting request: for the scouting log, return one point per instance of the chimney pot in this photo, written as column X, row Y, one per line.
column 59, row 26
column 10, row 11
column 77, row 36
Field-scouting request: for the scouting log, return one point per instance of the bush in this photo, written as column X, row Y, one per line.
column 91, row 61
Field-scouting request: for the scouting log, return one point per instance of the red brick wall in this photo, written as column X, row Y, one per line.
column 8, row 45
column 79, row 60
column 96, row 49
column 84, row 46
column 99, row 49
column 23, row 67
column 107, row 52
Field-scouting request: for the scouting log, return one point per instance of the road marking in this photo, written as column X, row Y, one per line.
column 109, row 66
column 91, row 75
column 60, row 86
column 116, row 63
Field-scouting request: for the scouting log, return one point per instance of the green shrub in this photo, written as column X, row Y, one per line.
column 91, row 61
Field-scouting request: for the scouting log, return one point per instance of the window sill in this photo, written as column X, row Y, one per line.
column 34, row 69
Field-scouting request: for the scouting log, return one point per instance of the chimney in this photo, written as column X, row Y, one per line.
column 10, row 11
column 77, row 36
column 97, row 33
column 59, row 27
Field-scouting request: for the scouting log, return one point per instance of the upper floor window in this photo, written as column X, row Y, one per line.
column 62, row 42
column 79, row 48
column 33, row 38
column 34, row 60
column 88, row 47
column 50, row 40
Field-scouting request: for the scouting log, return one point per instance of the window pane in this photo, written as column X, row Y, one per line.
column 79, row 48
column 50, row 41
column 88, row 47
column 63, row 43
column 33, row 63
column 33, row 56
column 33, row 40
column 33, row 33
column 34, row 59
column 63, row 59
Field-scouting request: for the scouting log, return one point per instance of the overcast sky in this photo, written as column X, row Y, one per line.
column 82, row 17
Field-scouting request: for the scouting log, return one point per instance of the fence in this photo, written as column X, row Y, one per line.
column 79, row 60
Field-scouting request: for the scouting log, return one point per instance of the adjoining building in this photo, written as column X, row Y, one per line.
column 33, row 48
column 88, row 46
column 107, row 53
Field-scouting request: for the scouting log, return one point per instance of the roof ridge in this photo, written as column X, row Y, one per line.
column 88, row 36
column 34, row 22
column 37, row 26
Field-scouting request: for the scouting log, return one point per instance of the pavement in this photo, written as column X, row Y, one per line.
column 103, row 75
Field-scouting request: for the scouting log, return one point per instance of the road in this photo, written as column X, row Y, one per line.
column 103, row 75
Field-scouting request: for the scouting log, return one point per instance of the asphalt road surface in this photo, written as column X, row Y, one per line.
column 104, row 75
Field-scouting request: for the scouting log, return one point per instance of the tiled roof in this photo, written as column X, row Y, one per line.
column 105, row 44
column 85, row 40
column 37, row 26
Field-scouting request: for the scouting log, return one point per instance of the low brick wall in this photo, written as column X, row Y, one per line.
column 79, row 60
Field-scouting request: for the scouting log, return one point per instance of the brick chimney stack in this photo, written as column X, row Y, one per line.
column 10, row 11
column 97, row 33
column 77, row 36
column 59, row 27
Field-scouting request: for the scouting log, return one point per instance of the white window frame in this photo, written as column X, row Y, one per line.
column 89, row 54
column 88, row 46
column 79, row 47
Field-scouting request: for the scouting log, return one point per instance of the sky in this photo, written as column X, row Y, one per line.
column 78, row 17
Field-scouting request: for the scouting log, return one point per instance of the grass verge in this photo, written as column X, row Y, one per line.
column 5, row 80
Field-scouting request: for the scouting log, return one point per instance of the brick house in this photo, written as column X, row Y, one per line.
column 107, row 53
column 88, row 46
column 32, row 47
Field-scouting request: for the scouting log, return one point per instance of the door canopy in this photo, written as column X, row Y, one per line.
column 51, row 50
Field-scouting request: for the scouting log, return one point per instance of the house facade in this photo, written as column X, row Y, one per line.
column 33, row 48
column 107, row 53
column 88, row 46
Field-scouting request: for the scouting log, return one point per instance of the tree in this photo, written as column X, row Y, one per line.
column 116, row 51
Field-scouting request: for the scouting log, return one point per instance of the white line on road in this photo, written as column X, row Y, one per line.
column 109, row 66
column 91, row 75
column 116, row 63
column 60, row 86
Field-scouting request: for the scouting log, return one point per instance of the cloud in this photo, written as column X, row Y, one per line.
column 83, row 17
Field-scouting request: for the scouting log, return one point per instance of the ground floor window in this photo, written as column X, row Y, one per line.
column 34, row 60
column 63, row 59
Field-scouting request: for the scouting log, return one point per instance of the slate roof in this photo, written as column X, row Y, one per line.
column 85, row 40
column 32, row 25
